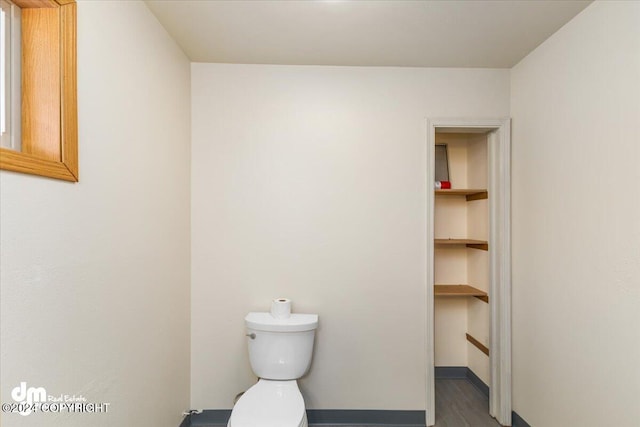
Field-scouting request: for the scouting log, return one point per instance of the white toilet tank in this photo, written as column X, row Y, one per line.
column 280, row 349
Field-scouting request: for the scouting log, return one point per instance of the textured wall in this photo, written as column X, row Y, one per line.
column 576, row 223
column 309, row 182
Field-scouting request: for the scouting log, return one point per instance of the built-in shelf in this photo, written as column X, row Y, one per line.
column 460, row 291
column 470, row 194
column 483, row 348
column 470, row 243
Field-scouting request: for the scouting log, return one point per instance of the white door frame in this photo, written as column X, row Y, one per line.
column 499, row 188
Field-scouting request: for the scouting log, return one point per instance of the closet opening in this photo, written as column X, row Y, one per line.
column 469, row 276
column 461, row 274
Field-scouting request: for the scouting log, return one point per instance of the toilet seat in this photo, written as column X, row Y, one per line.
column 270, row 403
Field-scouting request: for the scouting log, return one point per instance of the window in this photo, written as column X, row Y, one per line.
column 47, row 117
column 9, row 75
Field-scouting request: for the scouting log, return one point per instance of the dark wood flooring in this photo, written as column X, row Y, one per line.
column 460, row 404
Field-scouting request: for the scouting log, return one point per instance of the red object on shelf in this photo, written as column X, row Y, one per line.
column 443, row 185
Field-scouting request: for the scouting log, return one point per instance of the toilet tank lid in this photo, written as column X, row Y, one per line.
column 295, row 323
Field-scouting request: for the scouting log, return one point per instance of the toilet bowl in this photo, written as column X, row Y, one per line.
column 280, row 352
column 270, row 404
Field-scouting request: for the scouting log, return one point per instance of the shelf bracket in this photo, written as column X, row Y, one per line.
column 481, row 246
column 481, row 195
column 482, row 298
column 483, row 348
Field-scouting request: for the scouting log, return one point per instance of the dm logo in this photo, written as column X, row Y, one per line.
column 31, row 395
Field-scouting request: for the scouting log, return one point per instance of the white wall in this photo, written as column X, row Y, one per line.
column 95, row 275
column 576, row 222
column 309, row 182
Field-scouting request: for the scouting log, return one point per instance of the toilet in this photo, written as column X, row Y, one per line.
column 280, row 352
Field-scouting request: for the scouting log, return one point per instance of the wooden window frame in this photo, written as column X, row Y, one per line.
column 49, row 92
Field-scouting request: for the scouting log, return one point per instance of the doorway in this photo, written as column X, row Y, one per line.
column 472, row 243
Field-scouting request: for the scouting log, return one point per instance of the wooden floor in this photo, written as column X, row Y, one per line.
column 460, row 404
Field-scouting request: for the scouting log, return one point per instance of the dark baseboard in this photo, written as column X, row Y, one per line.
column 451, row 372
column 339, row 418
column 326, row 418
column 518, row 421
column 476, row 381
column 211, row 418
column 365, row 418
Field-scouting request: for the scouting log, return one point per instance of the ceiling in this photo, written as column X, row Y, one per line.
column 471, row 33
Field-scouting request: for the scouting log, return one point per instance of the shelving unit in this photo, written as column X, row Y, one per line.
column 460, row 291
column 470, row 243
column 470, row 194
column 461, row 276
